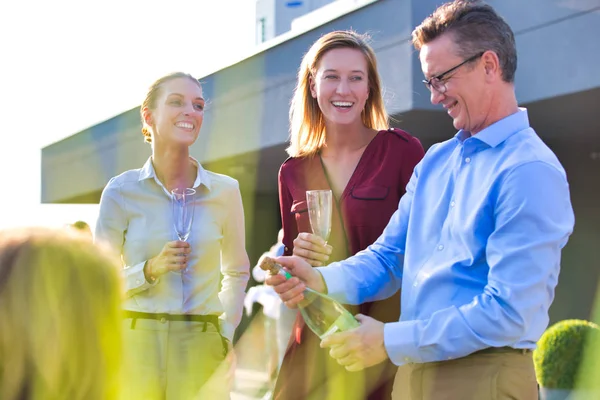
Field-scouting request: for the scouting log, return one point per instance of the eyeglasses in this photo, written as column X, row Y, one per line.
column 438, row 83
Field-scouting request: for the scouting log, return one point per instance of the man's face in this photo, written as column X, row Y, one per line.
column 466, row 98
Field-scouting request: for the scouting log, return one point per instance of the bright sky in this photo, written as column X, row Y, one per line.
column 66, row 65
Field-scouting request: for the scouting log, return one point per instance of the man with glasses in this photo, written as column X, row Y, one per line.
column 476, row 241
column 437, row 82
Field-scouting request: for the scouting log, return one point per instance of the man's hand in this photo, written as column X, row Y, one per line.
column 303, row 276
column 358, row 348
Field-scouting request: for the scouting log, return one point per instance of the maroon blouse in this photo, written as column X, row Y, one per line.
column 359, row 217
column 365, row 206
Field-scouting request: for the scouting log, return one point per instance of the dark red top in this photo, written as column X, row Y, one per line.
column 362, row 211
column 366, row 204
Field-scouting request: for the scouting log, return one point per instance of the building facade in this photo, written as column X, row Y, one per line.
column 246, row 123
column 275, row 17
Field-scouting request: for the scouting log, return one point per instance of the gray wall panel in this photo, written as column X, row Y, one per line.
column 532, row 14
column 395, row 67
column 559, row 59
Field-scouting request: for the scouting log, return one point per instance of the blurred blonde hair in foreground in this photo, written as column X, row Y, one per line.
column 60, row 317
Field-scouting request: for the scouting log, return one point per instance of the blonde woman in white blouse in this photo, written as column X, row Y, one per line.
column 184, row 299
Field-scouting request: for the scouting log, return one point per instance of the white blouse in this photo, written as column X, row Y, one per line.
column 136, row 220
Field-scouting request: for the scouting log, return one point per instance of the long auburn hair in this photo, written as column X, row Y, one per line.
column 307, row 126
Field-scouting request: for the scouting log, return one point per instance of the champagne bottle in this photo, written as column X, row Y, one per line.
column 322, row 314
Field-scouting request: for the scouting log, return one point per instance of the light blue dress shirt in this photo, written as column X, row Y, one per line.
column 475, row 245
column 136, row 220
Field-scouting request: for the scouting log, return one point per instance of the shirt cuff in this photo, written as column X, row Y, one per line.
column 135, row 278
column 227, row 330
column 334, row 280
column 399, row 339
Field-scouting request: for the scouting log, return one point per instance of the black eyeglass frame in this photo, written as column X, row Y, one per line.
column 437, row 83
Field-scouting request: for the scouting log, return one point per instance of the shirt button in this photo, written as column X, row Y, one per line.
column 163, row 320
column 415, row 284
column 406, row 359
column 138, row 282
column 440, row 247
column 468, row 160
column 452, row 204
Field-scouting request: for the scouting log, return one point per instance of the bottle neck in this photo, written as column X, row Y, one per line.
column 309, row 296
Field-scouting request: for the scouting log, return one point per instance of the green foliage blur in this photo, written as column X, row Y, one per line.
column 560, row 352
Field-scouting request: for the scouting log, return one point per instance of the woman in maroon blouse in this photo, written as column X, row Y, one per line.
column 340, row 141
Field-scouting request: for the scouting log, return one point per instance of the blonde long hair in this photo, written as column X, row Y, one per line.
column 307, row 126
column 60, row 317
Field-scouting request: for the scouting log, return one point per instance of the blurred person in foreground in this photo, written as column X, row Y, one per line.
column 184, row 298
column 60, row 317
column 340, row 141
column 476, row 241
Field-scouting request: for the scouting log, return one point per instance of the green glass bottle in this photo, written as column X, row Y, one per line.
column 322, row 314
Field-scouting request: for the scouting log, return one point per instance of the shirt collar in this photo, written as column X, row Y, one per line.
column 499, row 131
column 202, row 177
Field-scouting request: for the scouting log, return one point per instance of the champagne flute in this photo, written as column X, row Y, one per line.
column 182, row 201
column 183, row 211
column 319, row 212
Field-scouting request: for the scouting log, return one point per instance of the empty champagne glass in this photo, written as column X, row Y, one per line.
column 183, row 211
column 319, row 212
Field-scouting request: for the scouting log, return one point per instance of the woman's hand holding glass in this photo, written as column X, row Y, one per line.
column 312, row 248
column 173, row 257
